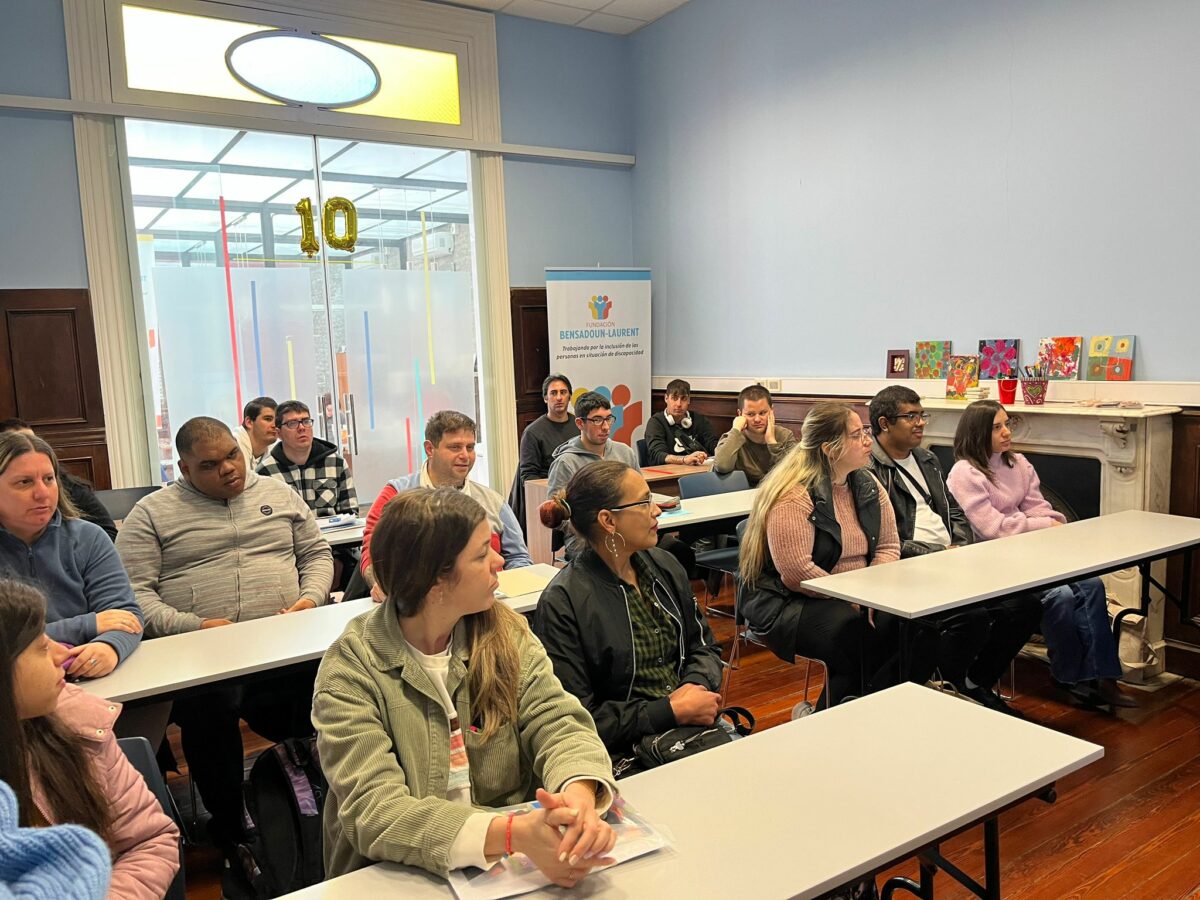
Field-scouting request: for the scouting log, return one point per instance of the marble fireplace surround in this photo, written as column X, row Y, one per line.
column 1134, row 450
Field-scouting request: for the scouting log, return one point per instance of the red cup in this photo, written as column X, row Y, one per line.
column 1008, row 389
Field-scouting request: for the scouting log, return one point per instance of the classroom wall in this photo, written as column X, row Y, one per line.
column 566, row 88
column 42, row 244
column 819, row 182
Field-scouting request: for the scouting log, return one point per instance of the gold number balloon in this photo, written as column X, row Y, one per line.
column 308, row 234
column 333, row 206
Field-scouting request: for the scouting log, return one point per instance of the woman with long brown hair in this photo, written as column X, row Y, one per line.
column 439, row 704
column 61, row 759
column 1001, row 495
column 90, row 604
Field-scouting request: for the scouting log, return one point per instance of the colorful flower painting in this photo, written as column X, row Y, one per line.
column 962, row 373
column 1059, row 357
column 931, row 359
column 999, row 357
column 1110, row 358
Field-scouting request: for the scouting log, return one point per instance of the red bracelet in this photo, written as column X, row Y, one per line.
column 508, row 848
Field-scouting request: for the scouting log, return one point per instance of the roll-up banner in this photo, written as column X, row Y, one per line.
column 599, row 323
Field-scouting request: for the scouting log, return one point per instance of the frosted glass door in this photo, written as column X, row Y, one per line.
column 402, row 303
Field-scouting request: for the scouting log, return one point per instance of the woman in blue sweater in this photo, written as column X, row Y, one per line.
column 90, row 604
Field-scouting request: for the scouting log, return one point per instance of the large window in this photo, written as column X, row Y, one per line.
column 373, row 339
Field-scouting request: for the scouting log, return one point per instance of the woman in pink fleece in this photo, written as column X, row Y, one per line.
column 62, row 761
column 1000, row 493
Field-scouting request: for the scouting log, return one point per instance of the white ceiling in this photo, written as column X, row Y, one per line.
column 612, row 16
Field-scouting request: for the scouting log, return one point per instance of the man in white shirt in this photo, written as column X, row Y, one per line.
column 973, row 644
column 258, row 432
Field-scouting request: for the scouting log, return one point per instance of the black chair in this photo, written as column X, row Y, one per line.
column 723, row 560
column 120, row 501
column 141, row 756
column 643, row 452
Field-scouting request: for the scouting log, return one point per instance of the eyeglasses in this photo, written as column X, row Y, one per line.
column 857, row 435
column 912, row 418
column 293, row 424
column 645, row 502
column 597, row 420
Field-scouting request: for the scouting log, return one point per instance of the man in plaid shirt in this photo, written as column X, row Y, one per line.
column 310, row 465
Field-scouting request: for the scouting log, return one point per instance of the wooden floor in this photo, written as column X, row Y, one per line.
column 1125, row 827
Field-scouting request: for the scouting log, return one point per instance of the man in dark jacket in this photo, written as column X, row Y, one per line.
column 677, row 436
column 586, row 622
column 541, row 438
column 974, row 645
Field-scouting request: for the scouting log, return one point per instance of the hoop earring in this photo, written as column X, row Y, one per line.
column 611, row 544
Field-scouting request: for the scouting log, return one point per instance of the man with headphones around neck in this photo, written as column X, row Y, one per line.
column 675, row 436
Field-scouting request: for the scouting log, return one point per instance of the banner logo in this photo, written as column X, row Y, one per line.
column 599, row 306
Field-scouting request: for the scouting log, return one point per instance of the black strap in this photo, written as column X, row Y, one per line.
column 925, row 495
column 739, row 717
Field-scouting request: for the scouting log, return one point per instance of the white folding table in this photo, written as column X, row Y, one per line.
column 167, row 666
column 813, row 804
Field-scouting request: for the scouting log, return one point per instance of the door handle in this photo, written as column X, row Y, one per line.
column 352, row 414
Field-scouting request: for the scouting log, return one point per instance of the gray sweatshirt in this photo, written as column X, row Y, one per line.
column 569, row 459
column 191, row 558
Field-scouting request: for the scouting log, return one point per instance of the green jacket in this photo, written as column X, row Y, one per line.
column 384, row 744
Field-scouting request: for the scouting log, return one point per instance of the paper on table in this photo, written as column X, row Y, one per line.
column 515, row 582
column 515, row 875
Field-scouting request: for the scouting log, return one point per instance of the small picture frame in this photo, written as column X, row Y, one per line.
column 899, row 363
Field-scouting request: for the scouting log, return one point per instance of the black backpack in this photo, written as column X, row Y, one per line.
column 282, row 803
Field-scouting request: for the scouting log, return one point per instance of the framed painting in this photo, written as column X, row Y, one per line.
column 999, row 357
column 899, row 363
column 931, row 358
column 1110, row 358
column 962, row 372
column 1058, row 357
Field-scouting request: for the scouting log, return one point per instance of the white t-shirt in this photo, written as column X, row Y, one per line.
column 929, row 527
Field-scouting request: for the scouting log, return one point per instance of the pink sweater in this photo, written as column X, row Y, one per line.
column 143, row 840
column 1012, row 505
column 790, row 535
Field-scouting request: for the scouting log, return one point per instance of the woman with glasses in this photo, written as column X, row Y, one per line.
column 1000, row 493
column 818, row 512
column 620, row 622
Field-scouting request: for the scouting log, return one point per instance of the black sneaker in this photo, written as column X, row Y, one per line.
column 992, row 700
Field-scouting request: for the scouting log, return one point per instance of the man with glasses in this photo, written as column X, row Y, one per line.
column 975, row 644
column 541, row 438
column 594, row 418
column 310, row 465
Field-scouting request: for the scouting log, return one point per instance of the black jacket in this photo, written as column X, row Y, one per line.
column 583, row 620
column 661, row 438
column 771, row 608
column 941, row 501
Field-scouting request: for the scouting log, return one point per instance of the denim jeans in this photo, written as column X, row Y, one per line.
column 1078, row 634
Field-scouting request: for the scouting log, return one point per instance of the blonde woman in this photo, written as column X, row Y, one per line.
column 439, row 705
column 818, row 512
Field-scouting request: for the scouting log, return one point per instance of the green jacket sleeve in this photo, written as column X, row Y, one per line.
column 378, row 815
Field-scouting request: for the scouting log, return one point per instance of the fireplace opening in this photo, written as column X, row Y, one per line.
column 1071, row 484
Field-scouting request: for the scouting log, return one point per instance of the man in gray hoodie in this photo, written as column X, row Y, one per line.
column 594, row 418
column 223, row 545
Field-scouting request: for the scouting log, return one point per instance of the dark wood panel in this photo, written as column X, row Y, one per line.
column 50, row 375
column 46, row 394
column 531, row 360
column 790, row 410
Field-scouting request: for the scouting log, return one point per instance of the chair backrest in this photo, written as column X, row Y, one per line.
column 705, row 484
column 120, row 501
column 141, row 756
column 643, row 451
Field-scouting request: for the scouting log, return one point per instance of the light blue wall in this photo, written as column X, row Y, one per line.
column 39, row 185
column 818, row 182
column 567, row 88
